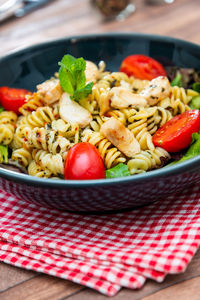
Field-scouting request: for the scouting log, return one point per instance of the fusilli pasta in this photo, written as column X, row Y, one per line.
column 42, row 136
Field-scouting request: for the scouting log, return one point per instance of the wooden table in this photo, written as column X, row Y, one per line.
column 64, row 18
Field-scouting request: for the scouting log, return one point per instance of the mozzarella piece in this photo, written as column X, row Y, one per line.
column 72, row 112
column 157, row 89
column 120, row 136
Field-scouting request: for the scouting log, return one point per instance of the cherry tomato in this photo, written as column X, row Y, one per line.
column 142, row 67
column 83, row 161
column 11, row 98
column 176, row 134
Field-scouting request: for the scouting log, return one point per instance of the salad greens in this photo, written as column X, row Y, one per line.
column 3, row 154
column 177, row 81
column 196, row 87
column 189, row 76
column 195, row 102
column 193, row 150
column 119, row 170
column 72, row 77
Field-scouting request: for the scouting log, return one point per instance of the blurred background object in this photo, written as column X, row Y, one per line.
column 19, row 8
column 114, row 9
column 8, row 8
column 61, row 18
column 157, row 2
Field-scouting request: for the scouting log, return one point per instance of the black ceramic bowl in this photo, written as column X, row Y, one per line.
column 33, row 65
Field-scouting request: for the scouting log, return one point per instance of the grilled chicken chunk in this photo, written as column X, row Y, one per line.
column 50, row 90
column 158, row 89
column 72, row 112
column 122, row 98
column 91, row 72
column 120, row 136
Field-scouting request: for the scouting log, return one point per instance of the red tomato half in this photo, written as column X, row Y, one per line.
column 142, row 67
column 84, row 162
column 12, row 99
column 176, row 134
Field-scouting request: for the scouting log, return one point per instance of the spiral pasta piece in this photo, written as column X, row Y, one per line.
column 177, row 102
column 48, row 140
column 32, row 103
column 147, row 160
column 160, row 117
column 34, row 169
column 23, row 156
column 46, row 160
column 96, row 123
column 139, row 123
column 118, row 114
column 8, row 117
column 40, row 117
column 69, row 131
column 110, row 154
column 174, row 106
column 180, row 93
column 19, row 138
column 7, row 126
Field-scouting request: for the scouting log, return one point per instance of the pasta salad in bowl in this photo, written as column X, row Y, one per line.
column 99, row 134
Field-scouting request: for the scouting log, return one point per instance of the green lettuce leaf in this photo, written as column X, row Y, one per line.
column 195, row 102
column 177, row 81
column 196, row 87
column 3, row 154
column 119, row 170
column 193, row 150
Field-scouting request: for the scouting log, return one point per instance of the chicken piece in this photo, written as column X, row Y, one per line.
column 104, row 103
column 157, row 89
column 120, row 136
column 72, row 112
column 91, row 72
column 50, row 90
column 122, row 98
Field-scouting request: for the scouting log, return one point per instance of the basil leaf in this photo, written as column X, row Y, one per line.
column 83, row 93
column 72, row 77
column 66, row 80
column 119, row 170
column 196, row 87
column 3, row 154
column 177, row 80
column 68, row 61
column 1, row 108
column 79, row 73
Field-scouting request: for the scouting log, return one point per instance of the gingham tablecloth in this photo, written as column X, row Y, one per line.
column 103, row 252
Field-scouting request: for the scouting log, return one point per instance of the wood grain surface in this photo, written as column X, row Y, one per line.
column 66, row 18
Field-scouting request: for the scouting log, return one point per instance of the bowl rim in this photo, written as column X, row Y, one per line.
column 75, row 38
column 136, row 178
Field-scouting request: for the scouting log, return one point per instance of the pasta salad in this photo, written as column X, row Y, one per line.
column 89, row 123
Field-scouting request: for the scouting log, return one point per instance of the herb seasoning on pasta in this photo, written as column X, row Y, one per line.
column 102, row 124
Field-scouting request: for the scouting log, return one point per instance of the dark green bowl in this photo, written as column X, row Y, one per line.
column 33, row 65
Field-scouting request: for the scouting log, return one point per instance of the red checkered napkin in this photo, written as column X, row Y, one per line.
column 103, row 252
